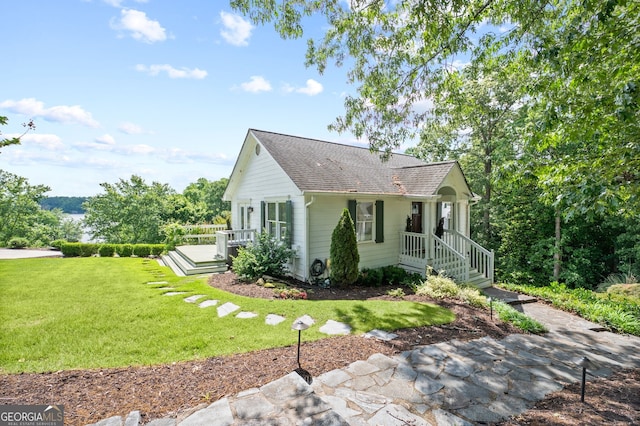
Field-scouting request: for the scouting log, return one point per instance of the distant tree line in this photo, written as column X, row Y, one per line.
column 71, row 205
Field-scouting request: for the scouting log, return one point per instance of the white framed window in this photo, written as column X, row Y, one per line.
column 364, row 220
column 276, row 219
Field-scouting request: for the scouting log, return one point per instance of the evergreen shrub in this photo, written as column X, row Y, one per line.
column 343, row 252
column 265, row 256
column 142, row 250
column 124, row 250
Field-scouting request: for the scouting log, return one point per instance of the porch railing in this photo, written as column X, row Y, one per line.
column 449, row 260
column 414, row 250
column 480, row 259
column 202, row 233
column 233, row 238
column 454, row 253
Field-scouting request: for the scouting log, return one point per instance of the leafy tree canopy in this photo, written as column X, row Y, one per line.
column 580, row 59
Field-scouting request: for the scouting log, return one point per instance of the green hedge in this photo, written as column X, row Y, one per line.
column 108, row 250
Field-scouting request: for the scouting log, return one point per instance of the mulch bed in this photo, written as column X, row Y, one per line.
column 175, row 389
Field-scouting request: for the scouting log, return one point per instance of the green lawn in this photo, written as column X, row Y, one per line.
column 72, row 313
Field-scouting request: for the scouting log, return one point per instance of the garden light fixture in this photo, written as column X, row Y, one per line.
column 301, row 325
column 583, row 362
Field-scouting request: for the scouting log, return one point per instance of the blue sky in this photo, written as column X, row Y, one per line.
column 161, row 89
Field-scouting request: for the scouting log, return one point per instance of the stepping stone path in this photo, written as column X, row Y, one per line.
column 194, row 298
column 157, row 282
column 174, row 293
column 245, row 315
column 334, row 327
column 226, row 309
column 273, row 319
column 380, row 335
column 208, row 303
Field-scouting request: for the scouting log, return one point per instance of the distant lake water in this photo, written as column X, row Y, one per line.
column 86, row 238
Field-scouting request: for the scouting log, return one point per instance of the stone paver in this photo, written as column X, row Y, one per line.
column 194, row 298
column 208, row 303
column 449, row 383
column 334, row 327
column 226, row 309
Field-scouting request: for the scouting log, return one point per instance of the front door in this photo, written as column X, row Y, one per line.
column 416, row 217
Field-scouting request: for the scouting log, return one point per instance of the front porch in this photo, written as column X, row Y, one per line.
column 454, row 254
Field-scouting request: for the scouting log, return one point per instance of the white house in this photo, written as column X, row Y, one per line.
column 296, row 188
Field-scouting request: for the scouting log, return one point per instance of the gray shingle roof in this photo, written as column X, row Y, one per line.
column 319, row 166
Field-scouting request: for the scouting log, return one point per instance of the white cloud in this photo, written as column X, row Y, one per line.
column 131, row 129
column 47, row 141
column 312, row 88
column 141, row 28
column 237, row 30
column 106, row 140
column 60, row 114
column 172, row 72
column 256, row 84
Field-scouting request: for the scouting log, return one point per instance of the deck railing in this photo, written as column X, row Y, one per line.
column 233, row 238
column 206, row 233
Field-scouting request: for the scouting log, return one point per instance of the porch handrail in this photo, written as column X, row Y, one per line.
column 480, row 259
column 233, row 236
column 446, row 258
column 201, row 232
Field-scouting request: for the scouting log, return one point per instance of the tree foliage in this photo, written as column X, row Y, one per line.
column 343, row 252
column 204, row 199
column 130, row 211
column 19, row 208
column 30, row 125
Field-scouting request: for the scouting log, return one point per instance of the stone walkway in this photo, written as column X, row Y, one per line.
column 448, row 383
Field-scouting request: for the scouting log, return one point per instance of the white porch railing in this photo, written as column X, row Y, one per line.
column 454, row 254
column 480, row 259
column 234, row 238
column 449, row 260
column 202, row 232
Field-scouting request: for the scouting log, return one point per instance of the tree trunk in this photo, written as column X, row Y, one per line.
column 557, row 255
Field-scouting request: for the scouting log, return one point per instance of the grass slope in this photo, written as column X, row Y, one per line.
column 61, row 314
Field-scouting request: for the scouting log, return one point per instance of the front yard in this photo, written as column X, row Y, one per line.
column 60, row 314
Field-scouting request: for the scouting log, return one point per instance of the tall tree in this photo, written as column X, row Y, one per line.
column 205, row 199
column 19, row 205
column 130, row 211
column 474, row 119
column 584, row 59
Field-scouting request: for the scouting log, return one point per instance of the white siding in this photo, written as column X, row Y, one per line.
column 262, row 179
column 324, row 215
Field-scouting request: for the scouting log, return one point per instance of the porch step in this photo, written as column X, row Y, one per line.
column 478, row 280
column 181, row 263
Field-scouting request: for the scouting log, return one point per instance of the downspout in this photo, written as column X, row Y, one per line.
column 306, row 243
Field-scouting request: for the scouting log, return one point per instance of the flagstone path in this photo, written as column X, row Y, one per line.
column 449, row 383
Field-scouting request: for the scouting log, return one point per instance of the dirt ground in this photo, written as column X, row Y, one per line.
column 174, row 389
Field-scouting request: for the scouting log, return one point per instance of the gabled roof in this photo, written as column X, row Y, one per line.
column 319, row 166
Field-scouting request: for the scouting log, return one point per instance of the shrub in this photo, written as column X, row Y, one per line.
column 265, row 256
column 370, row 277
column 393, row 274
column 438, row 287
column 57, row 244
column 157, row 249
column 18, row 243
column 344, row 252
column 472, row 296
column 70, row 249
column 174, row 234
column 88, row 249
column 142, row 250
column 106, row 250
column 124, row 250
column 397, row 293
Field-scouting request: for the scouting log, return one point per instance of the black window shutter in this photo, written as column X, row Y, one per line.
column 289, row 210
column 379, row 221
column 263, row 212
column 351, row 206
